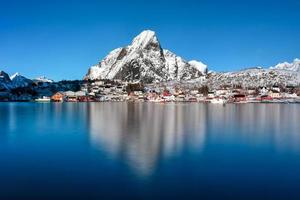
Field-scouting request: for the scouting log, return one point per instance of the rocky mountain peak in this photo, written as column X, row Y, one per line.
column 146, row 40
column 144, row 60
column 14, row 76
column 4, row 77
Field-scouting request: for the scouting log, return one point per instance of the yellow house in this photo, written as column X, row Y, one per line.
column 274, row 94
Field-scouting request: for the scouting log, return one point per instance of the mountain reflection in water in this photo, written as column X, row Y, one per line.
column 142, row 134
column 149, row 151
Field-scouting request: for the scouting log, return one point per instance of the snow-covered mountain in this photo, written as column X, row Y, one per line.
column 4, row 77
column 145, row 60
column 18, row 81
column 14, row 81
column 199, row 65
column 253, row 78
column 43, row 79
column 4, row 81
column 294, row 66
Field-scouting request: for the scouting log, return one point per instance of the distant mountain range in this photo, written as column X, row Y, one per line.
column 253, row 78
column 17, row 81
column 284, row 74
column 294, row 66
column 144, row 60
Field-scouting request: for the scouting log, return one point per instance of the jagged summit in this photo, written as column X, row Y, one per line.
column 294, row 66
column 145, row 39
column 14, row 76
column 4, row 77
column 144, row 60
column 18, row 81
column 14, row 81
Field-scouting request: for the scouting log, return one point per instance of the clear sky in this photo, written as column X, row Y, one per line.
column 62, row 38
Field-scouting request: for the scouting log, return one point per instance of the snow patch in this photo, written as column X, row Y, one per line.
column 199, row 66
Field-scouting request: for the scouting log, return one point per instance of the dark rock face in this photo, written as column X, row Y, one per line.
column 122, row 54
column 4, row 81
column 4, row 77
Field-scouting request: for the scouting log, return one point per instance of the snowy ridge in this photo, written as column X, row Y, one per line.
column 4, row 81
column 15, row 75
column 294, row 66
column 4, row 77
column 253, row 78
column 199, row 66
column 43, row 79
column 144, row 60
column 18, row 81
column 14, row 81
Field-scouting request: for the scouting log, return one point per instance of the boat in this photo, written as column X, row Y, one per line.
column 43, row 99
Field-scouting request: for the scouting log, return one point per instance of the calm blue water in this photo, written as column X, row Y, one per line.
column 149, row 151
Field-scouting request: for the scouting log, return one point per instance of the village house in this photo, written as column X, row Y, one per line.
column 263, row 91
column 91, row 94
column 95, row 89
column 58, row 97
column 221, row 92
column 80, row 93
column 275, row 88
column 181, row 97
column 85, row 99
column 167, row 96
column 210, row 95
column 237, row 91
column 98, row 83
column 239, row 98
column 152, row 96
column 194, row 92
column 274, row 94
column 119, row 89
column 70, row 96
column 251, row 91
column 290, row 95
column 290, row 89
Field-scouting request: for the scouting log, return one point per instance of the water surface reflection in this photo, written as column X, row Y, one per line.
column 149, row 151
column 144, row 134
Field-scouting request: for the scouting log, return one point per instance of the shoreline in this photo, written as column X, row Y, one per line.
column 297, row 101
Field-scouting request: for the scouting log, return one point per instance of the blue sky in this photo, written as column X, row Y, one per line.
column 62, row 38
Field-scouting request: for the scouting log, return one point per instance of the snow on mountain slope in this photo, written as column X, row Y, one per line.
column 199, row 66
column 144, row 60
column 294, row 66
column 43, row 79
column 255, row 77
column 18, row 81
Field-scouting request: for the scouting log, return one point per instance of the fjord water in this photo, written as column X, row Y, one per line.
column 149, row 151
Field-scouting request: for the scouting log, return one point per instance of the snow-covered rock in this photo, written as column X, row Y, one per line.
column 254, row 77
column 144, row 60
column 294, row 66
column 199, row 66
column 18, row 81
column 43, row 79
